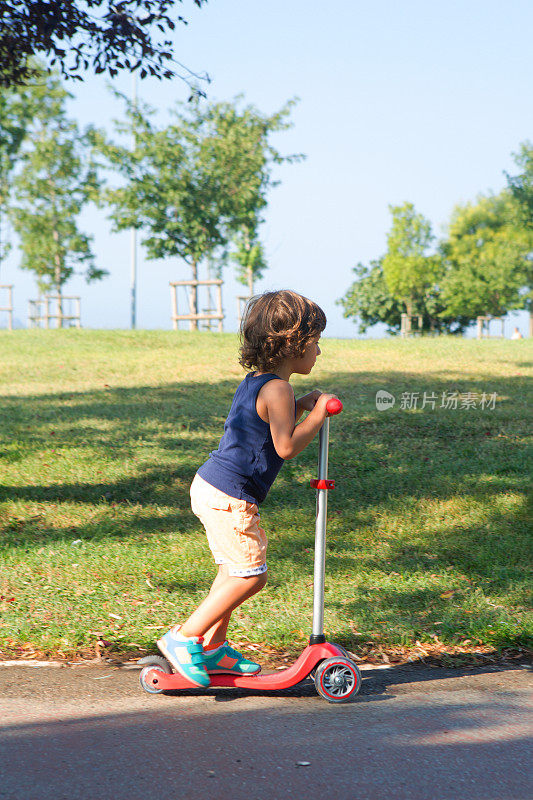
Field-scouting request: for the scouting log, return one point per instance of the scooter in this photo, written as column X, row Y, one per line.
column 336, row 676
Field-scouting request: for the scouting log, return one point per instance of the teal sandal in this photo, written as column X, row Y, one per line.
column 228, row 660
column 187, row 658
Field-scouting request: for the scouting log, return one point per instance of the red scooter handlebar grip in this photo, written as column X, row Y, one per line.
column 333, row 406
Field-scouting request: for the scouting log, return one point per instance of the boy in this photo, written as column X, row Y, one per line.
column 280, row 332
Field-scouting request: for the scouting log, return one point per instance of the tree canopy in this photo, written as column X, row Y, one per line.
column 249, row 257
column 56, row 179
column 521, row 185
column 198, row 183
column 15, row 115
column 369, row 300
column 100, row 35
column 485, row 256
column 407, row 268
column 482, row 267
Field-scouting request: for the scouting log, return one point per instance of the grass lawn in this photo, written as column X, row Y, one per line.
column 429, row 528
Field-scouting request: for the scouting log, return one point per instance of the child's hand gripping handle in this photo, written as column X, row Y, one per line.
column 333, row 406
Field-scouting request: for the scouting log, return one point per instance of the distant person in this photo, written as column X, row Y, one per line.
column 279, row 336
column 516, row 334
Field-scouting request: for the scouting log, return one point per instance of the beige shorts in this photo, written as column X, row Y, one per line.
column 232, row 527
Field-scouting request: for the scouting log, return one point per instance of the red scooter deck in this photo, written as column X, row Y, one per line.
column 307, row 661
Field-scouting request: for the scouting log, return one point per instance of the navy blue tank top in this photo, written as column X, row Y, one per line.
column 246, row 463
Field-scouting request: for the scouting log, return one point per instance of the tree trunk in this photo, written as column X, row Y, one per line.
column 194, row 297
column 531, row 322
column 57, row 261
column 249, row 268
column 409, row 311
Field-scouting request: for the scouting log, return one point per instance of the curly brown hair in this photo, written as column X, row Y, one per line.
column 278, row 325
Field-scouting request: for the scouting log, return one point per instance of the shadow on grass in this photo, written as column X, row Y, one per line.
column 376, row 456
column 386, row 460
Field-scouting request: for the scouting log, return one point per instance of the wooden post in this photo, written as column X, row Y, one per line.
column 60, row 310
column 219, row 308
column 34, row 313
column 173, row 293
column 194, row 296
column 39, row 311
column 9, row 307
column 192, row 316
column 192, row 293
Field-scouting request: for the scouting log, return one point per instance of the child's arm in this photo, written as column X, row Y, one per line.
column 290, row 439
column 306, row 403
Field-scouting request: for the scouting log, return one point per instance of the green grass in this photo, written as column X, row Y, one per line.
column 429, row 527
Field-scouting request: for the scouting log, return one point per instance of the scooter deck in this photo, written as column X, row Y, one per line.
column 306, row 662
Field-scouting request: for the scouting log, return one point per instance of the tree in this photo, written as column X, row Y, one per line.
column 16, row 111
column 248, row 253
column 521, row 188
column 408, row 270
column 486, row 258
column 369, row 300
column 78, row 35
column 198, row 182
column 521, row 185
column 55, row 182
column 11, row 135
column 249, row 257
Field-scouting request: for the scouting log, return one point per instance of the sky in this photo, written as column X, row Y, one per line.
column 420, row 102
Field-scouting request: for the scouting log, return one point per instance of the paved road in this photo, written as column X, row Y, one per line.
column 414, row 733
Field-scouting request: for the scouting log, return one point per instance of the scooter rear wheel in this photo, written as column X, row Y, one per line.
column 338, row 680
column 151, row 663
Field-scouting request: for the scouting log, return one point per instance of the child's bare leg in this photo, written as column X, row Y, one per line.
column 220, row 602
column 216, row 634
column 220, row 577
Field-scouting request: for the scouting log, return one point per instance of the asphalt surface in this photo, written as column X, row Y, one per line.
column 412, row 733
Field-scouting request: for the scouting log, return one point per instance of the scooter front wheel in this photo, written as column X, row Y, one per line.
column 338, row 680
column 150, row 663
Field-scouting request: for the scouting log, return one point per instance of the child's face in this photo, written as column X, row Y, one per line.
column 305, row 364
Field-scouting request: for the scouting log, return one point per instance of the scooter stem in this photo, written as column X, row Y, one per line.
column 317, row 636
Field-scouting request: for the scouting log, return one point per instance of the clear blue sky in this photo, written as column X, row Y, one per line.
column 415, row 101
